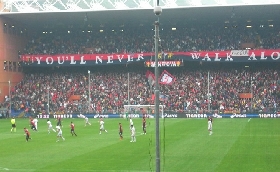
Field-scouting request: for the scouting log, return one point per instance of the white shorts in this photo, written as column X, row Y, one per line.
column 59, row 134
column 50, row 127
column 101, row 127
column 209, row 125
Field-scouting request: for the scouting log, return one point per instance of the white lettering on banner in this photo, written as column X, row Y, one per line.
column 43, row 116
column 238, row 116
column 170, row 115
column 58, row 60
column 47, row 60
column 217, row 57
column 239, row 53
column 129, row 58
column 110, row 59
column 206, row 57
column 140, row 56
column 195, row 55
column 164, row 64
column 196, row 115
column 134, row 115
column 120, row 59
column 63, row 116
column 252, row 56
column 278, row 56
column 82, row 60
column 228, row 58
column 72, row 60
column 262, row 56
column 99, row 59
column 100, row 116
column 269, row 115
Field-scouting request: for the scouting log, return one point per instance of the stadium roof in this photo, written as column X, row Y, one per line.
column 259, row 14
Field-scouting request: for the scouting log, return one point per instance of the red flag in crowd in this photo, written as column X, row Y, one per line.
column 151, row 77
column 166, row 78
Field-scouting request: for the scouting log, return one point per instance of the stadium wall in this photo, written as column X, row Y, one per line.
column 11, row 42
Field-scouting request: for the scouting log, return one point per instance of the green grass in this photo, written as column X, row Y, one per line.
column 236, row 145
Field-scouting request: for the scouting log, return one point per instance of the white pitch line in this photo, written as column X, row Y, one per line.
column 249, row 119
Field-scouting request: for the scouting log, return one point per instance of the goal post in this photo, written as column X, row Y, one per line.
column 138, row 111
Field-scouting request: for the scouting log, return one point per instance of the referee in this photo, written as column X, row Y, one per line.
column 13, row 122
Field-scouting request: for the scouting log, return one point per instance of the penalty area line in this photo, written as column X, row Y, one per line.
column 249, row 119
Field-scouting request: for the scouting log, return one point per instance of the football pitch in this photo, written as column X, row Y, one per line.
column 236, row 145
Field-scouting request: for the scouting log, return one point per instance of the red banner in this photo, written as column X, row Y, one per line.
column 207, row 56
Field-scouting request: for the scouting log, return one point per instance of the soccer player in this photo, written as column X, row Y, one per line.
column 72, row 125
column 30, row 120
column 13, row 122
column 133, row 132
column 101, row 123
column 50, row 126
column 33, row 126
column 86, row 121
column 126, row 115
column 59, row 134
column 144, row 125
column 58, row 121
column 120, row 131
column 210, row 121
column 35, row 121
column 130, row 122
column 27, row 134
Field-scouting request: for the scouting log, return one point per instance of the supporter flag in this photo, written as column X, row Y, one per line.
column 151, row 78
column 166, row 78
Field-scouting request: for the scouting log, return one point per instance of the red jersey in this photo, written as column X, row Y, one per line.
column 30, row 120
column 32, row 123
column 144, row 122
column 26, row 132
column 58, row 118
column 72, row 126
column 121, row 129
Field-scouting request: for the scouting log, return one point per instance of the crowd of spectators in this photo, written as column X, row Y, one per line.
column 109, row 90
column 141, row 39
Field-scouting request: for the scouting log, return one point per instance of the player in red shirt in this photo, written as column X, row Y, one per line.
column 58, row 121
column 27, row 134
column 120, row 131
column 144, row 124
column 33, row 126
column 72, row 125
column 30, row 120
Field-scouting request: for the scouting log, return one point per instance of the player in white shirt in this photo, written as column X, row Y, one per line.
column 130, row 123
column 133, row 132
column 59, row 134
column 86, row 121
column 50, row 126
column 101, row 123
column 35, row 120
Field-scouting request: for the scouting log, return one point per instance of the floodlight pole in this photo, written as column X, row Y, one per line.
column 88, row 91
column 10, row 108
column 157, row 12
column 48, row 100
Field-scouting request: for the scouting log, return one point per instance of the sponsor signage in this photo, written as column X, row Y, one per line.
column 43, row 116
column 172, row 115
column 173, row 60
column 63, row 116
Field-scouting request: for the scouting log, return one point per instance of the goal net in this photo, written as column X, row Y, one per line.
column 138, row 111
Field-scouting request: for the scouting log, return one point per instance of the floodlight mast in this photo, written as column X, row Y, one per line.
column 157, row 11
